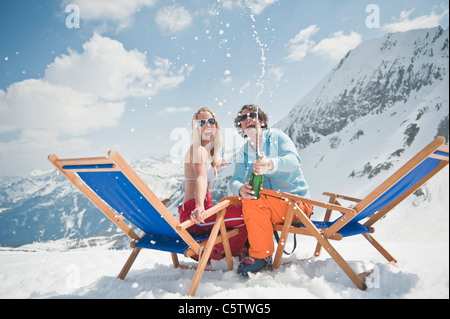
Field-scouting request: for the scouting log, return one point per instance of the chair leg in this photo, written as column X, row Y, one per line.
column 326, row 219
column 317, row 251
column 283, row 237
column 206, row 254
column 123, row 273
column 175, row 262
column 380, row 248
column 323, row 241
column 226, row 246
column 357, row 280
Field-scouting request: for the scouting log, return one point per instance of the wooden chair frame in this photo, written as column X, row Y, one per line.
column 323, row 236
column 114, row 162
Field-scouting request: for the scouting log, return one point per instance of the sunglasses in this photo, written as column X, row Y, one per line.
column 251, row 115
column 202, row 123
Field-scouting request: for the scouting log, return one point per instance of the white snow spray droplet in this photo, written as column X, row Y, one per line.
column 263, row 59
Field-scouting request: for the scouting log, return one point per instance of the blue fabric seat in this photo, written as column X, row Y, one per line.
column 112, row 185
column 163, row 243
column 360, row 219
column 402, row 186
column 394, row 192
column 123, row 196
column 350, row 229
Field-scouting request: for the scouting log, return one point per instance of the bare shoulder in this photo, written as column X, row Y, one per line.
column 196, row 155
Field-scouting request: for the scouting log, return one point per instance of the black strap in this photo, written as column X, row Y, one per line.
column 277, row 238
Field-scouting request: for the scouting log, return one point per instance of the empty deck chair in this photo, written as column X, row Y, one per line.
column 112, row 185
column 360, row 219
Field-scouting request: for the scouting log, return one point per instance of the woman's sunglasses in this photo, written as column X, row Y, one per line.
column 202, row 123
column 251, row 115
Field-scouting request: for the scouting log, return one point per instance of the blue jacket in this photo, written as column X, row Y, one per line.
column 286, row 176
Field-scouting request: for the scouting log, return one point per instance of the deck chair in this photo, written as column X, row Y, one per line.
column 113, row 187
column 360, row 219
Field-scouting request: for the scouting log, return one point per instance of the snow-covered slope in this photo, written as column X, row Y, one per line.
column 404, row 74
column 44, row 206
column 384, row 102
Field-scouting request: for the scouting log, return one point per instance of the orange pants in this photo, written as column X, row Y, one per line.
column 260, row 215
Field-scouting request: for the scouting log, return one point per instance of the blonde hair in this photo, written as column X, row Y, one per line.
column 216, row 144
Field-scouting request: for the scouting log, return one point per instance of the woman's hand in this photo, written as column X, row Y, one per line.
column 197, row 215
column 221, row 164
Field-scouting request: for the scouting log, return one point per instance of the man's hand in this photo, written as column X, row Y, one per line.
column 262, row 165
column 246, row 191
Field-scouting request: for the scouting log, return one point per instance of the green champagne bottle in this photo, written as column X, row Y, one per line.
column 256, row 181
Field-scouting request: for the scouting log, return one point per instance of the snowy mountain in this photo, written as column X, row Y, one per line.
column 399, row 73
column 379, row 106
column 44, row 206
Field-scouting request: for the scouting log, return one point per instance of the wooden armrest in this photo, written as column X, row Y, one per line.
column 352, row 199
column 313, row 202
column 190, row 252
column 213, row 210
column 165, row 201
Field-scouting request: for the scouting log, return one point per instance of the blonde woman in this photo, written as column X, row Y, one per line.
column 201, row 166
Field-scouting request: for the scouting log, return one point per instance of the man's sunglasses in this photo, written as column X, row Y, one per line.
column 202, row 123
column 251, row 115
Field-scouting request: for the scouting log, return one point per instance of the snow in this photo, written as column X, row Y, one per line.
column 417, row 236
column 422, row 272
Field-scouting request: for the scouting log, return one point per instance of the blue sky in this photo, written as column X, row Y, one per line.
column 134, row 71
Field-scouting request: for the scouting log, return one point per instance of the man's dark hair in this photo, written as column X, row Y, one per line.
column 252, row 108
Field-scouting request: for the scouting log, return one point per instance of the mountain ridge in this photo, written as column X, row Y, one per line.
column 380, row 83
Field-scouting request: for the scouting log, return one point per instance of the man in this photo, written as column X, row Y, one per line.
column 279, row 162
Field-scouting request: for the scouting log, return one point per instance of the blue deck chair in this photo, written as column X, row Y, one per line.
column 360, row 219
column 113, row 186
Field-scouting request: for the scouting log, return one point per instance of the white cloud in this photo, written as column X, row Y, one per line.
column 172, row 110
column 114, row 10
column 104, row 68
column 173, row 19
column 276, row 73
column 301, row 44
column 81, row 92
column 256, row 6
column 31, row 148
column 230, row 4
column 226, row 80
column 403, row 23
column 333, row 48
column 38, row 104
column 164, row 78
